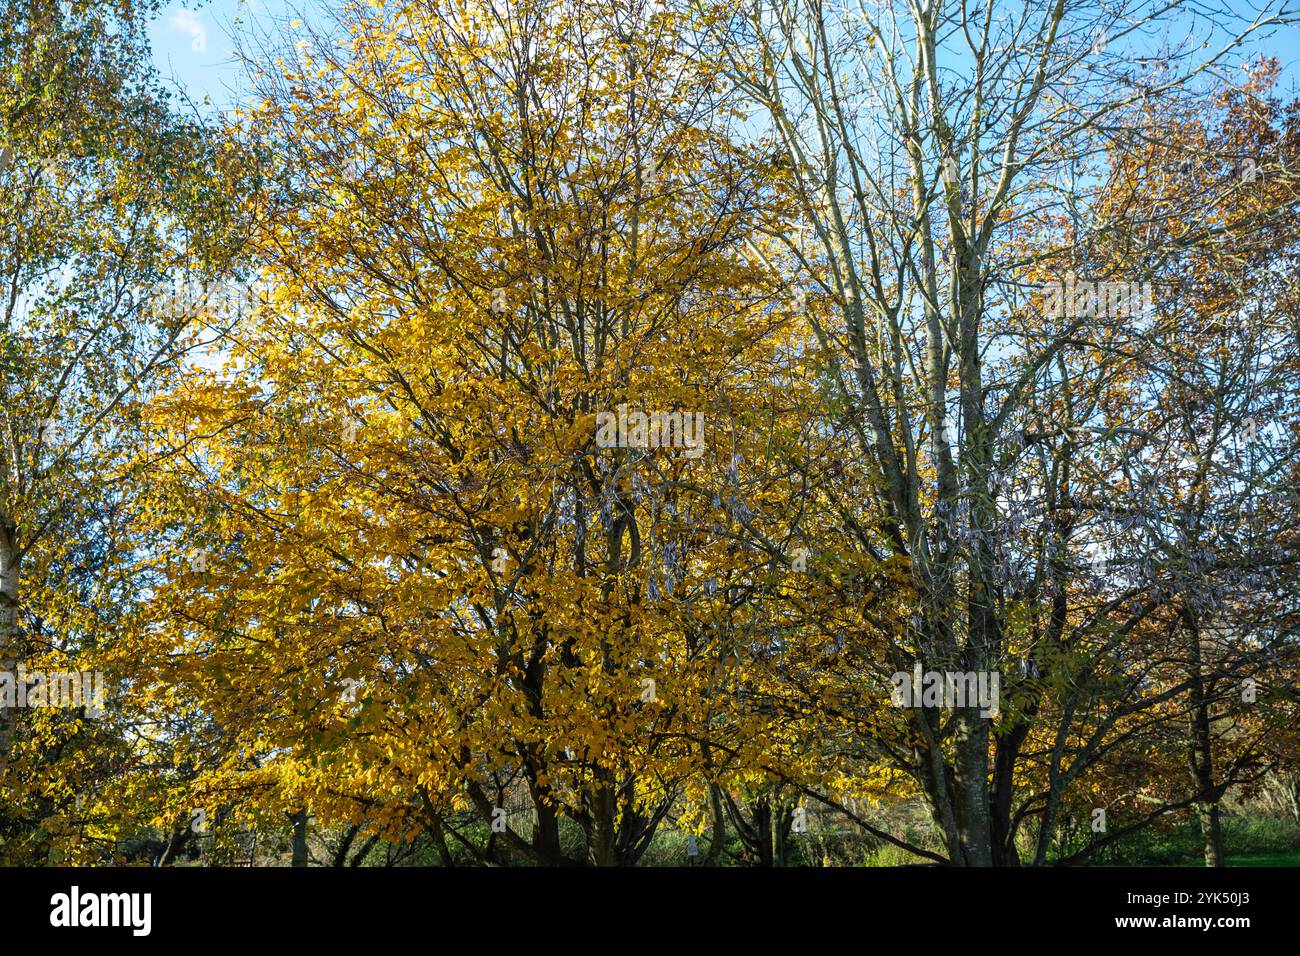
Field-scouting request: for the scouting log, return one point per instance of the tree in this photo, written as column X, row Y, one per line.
column 112, row 201
column 936, row 150
column 441, row 567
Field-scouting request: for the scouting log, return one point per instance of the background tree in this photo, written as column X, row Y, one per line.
column 112, row 201
column 935, row 149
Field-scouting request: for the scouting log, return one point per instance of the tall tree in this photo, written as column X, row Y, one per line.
column 112, row 201
column 935, row 150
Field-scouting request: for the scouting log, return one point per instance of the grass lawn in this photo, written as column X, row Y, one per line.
column 1281, row 858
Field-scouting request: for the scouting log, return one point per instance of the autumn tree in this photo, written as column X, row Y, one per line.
column 440, row 575
column 939, row 153
column 112, row 203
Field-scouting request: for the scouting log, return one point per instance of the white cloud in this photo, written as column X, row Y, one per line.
column 189, row 21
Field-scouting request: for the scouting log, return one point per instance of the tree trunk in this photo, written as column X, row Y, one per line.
column 300, row 838
column 1200, row 749
column 9, row 650
column 971, row 779
column 601, row 834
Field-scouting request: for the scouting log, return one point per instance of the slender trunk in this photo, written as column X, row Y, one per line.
column 341, row 854
column 440, row 842
column 1200, row 749
column 763, row 832
column 300, row 838
column 9, row 567
column 1211, row 833
column 546, row 835
column 1004, row 766
column 781, row 823
column 360, row 856
column 936, row 786
column 176, row 842
column 9, row 650
column 719, row 839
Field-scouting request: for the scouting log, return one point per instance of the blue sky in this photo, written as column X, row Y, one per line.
column 193, row 46
column 192, row 43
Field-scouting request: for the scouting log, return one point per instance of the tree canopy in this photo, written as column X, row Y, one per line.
column 523, row 430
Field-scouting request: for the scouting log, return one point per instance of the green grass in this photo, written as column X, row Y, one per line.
column 1265, row 859
column 1248, row 842
column 1283, row 858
